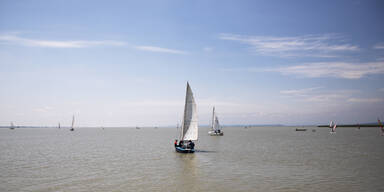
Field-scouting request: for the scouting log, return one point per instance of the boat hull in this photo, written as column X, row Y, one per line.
column 298, row 129
column 212, row 133
column 182, row 150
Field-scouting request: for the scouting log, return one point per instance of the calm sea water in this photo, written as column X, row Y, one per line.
column 255, row 159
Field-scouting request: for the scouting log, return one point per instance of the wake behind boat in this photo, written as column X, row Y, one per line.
column 215, row 127
column 189, row 128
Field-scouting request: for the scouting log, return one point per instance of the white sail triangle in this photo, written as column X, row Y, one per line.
column 190, row 125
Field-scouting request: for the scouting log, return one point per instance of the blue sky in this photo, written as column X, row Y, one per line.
column 126, row 63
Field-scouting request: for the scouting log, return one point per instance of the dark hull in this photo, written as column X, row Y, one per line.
column 298, row 129
column 182, row 150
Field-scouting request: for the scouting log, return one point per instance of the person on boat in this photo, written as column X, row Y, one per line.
column 176, row 143
column 181, row 144
column 191, row 145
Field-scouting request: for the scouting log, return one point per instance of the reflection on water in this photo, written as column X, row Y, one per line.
column 253, row 159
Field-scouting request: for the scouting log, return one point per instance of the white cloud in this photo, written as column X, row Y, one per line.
column 43, row 109
column 379, row 46
column 333, row 69
column 207, row 49
column 365, row 100
column 309, row 45
column 299, row 92
column 56, row 44
column 318, row 94
column 160, row 49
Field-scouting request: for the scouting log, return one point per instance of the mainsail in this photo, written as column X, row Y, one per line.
column 215, row 121
column 334, row 128
column 73, row 123
column 189, row 127
column 381, row 127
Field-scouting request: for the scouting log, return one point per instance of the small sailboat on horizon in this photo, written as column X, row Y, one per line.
column 189, row 127
column 12, row 127
column 215, row 126
column 333, row 130
column 381, row 127
column 73, row 123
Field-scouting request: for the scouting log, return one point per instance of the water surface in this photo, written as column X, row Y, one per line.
column 253, row 159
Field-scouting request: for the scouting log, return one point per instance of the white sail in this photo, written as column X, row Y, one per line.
column 73, row 122
column 334, row 128
column 189, row 127
column 217, row 124
column 331, row 124
column 381, row 127
column 215, row 121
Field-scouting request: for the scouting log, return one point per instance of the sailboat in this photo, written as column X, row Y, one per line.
column 73, row 123
column 12, row 127
column 331, row 124
column 215, row 127
column 189, row 127
column 381, row 127
column 333, row 128
column 59, row 126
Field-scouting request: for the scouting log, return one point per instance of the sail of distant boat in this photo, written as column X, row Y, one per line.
column 334, row 128
column 189, row 127
column 59, row 126
column 381, row 127
column 12, row 126
column 73, row 123
column 215, row 126
column 331, row 124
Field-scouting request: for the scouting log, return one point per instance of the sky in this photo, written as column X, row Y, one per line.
column 126, row 63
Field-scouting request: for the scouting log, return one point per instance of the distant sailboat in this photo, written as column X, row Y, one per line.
column 73, row 123
column 59, row 126
column 12, row 127
column 381, row 127
column 215, row 127
column 189, row 127
column 331, row 124
column 333, row 128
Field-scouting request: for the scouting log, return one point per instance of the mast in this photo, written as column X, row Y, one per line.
column 213, row 118
column 73, row 123
column 381, row 127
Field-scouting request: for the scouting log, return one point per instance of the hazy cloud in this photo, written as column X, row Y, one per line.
column 207, row 49
column 299, row 92
column 333, row 69
column 13, row 39
column 160, row 49
column 379, row 46
column 366, row 100
column 326, row 45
